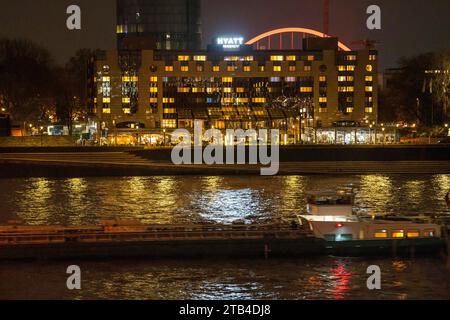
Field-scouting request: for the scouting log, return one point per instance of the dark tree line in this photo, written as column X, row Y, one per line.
column 419, row 91
column 34, row 89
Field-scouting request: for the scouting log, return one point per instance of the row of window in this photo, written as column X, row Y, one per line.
column 200, row 68
column 403, row 233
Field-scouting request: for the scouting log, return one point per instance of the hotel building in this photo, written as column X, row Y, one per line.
column 319, row 94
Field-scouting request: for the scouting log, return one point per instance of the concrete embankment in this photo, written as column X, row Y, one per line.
column 293, row 161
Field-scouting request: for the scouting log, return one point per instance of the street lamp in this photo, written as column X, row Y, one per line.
column 41, row 130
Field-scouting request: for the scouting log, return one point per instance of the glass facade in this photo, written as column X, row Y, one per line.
column 159, row 24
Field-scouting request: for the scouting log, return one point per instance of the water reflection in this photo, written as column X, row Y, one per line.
column 220, row 199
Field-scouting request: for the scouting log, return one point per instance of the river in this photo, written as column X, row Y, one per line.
column 40, row 201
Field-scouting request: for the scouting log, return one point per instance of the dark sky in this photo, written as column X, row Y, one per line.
column 408, row 26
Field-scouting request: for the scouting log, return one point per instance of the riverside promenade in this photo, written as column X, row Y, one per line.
column 79, row 162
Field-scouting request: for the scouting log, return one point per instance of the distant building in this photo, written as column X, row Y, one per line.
column 306, row 94
column 159, row 24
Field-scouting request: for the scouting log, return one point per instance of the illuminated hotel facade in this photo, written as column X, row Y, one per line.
column 308, row 94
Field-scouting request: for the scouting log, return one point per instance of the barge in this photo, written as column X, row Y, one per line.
column 118, row 239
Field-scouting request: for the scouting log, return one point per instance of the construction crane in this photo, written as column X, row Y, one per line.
column 326, row 17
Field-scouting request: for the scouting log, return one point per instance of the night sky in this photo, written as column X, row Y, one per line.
column 408, row 26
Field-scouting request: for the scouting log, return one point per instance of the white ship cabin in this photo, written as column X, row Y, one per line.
column 330, row 217
column 330, row 204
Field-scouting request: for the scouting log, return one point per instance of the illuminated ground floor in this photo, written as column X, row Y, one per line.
column 292, row 136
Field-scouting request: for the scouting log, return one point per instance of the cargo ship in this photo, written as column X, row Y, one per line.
column 329, row 227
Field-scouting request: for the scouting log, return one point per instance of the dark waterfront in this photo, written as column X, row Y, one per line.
column 221, row 199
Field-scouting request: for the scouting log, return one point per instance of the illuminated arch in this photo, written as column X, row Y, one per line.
column 294, row 30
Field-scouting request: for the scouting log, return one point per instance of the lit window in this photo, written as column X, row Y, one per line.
column 413, row 234
column 322, row 78
column 369, row 88
column 307, row 68
column 153, row 100
column 381, row 234
column 126, row 110
column 310, row 58
column 169, row 123
column 240, row 90
column 134, row 79
column 184, row 68
column 106, row 110
column 369, row 68
column 227, row 90
column 168, row 100
column 429, row 233
column 369, row 78
column 372, row 57
column 199, row 58
column 369, row 110
column 199, row 68
column 153, row 79
column 342, row 68
column 351, row 68
column 349, row 110
column 126, row 79
column 106, row 79
column 291, row 58
column 170, row 110
column 106, row 100
column 290, row 79
column 242, row 100
column 168, row 68
column 346, row 78
column 153, row 89
column 183, row 58
column 259, row 100
column 306, row 89
column 398, row 234
column 346, row 89
column 227, row 79
column 322, row 99
column 350, row 57
column 276, row 58
column 247, row 68
column 231, row 58
column 323, row 110
column 198, row 90
column 126, row 100
column 292, row 68
column 261, row 68
column 277, row 68
column 183, row 90
column 216, row 68
column 231, row 68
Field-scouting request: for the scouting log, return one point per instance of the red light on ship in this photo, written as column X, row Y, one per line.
column 339, row 225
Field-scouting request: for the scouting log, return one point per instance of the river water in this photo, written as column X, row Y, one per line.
column 40, row 201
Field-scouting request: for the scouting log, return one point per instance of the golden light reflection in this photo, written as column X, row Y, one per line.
column 377, row 190
column 36, row 199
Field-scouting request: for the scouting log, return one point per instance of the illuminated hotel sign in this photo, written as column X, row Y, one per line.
column 230, row 42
